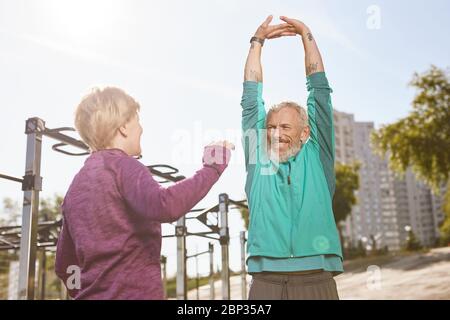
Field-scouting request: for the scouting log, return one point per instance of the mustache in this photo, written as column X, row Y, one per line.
column 279, row 140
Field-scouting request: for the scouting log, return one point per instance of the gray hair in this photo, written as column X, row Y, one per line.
column 303, row 116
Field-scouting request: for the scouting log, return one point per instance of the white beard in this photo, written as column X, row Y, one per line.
column 284, row 157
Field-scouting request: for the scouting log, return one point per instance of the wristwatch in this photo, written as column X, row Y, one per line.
column 258, row 40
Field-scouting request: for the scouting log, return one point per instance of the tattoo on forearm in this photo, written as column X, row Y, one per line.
column 310, row 36
column 312, row 67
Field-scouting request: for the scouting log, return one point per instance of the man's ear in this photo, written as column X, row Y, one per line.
column 123, row 131
column 305, row 134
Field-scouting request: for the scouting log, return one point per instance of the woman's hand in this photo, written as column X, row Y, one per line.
column 217, row 155
column 223, row 143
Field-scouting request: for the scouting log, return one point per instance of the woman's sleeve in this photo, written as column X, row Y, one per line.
column 145, row 196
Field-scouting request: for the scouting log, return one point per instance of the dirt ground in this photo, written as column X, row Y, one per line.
column 405, row 276
column 417, row 276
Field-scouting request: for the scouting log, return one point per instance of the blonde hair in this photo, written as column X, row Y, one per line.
column 303, row 116
column 100, row 113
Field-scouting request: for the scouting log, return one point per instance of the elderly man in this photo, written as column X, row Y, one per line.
column 293, row 243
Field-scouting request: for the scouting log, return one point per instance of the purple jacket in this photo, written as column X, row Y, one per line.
column 112, row 215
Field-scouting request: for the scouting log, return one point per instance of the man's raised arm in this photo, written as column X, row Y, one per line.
column 313, row 59
column 320, row 110
column 253, row 112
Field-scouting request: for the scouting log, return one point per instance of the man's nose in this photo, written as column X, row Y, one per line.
column 276, row 133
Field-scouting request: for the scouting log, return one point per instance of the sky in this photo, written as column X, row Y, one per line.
column 183, row 61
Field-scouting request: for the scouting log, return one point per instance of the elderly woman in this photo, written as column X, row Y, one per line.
column 110, row 242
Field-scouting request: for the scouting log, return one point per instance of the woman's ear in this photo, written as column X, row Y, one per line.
column 123, row 131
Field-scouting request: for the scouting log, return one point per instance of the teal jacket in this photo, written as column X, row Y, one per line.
column 290, row 204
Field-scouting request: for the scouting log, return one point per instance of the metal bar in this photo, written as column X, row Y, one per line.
column 181, row 259
column 9, row 243
column 43, row 277
column 46, row 244
column 240, row 203
column 11, row 235
column 224, row 242
column 212, row 293
column 17, row 247
column 199, row 234
column 243, row 271
column 34, row 128
column 164, row 263
column 197, row 254
column 197, row 282
column 196, row 210
column 57, row 135
column 57, row 147
column 6, row 228
column 203, row 236
column 4, row 176
column 169, row 176
column 42, row 225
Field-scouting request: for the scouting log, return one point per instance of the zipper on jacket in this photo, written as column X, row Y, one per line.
column 291, row 208
column 289, row 174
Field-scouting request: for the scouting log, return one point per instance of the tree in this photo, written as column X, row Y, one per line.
column 12, row 212
column 347, row 182
column 412, row 243
column 445, row 227
column 50, row 208
column 244, row 215
column 421, row 141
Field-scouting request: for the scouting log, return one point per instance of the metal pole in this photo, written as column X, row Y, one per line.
column 180, row 231
column 212, row 293
column 164, row 263
column 32, row 184
column 43, row 273
column 197, row 275
column 224, row 242
column 243, row 271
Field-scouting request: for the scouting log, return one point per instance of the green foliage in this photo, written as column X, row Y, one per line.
column 445, row 227
column 244, row 215
column 11, row 210
column 347, row 182
column 352, row 252
column 422, row 139
column 412, row 243
column 50, row 208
